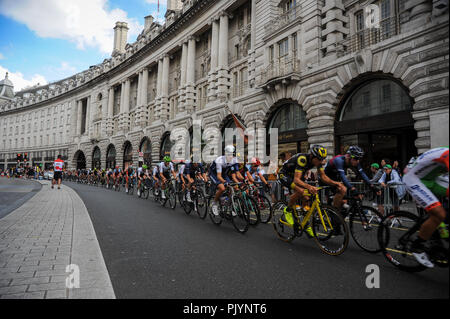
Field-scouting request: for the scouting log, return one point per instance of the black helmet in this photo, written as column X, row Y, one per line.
column 355, row 152
column 318, row 151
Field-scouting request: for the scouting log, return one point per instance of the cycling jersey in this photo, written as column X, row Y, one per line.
column 298, row 163
column 165, row 170
column 427, row 178
column 221, row 165
column 58, row 165
column 336, row 167
column 156, row 171
column 255, row 173
column 192, row 169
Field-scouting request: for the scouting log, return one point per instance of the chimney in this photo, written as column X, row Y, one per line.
column 120, row 37
column 148, row 22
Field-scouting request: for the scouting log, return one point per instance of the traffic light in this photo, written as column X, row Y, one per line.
column 19, row 157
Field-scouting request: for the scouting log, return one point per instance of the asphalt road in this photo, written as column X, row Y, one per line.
column 14, row 192
column 155, row 252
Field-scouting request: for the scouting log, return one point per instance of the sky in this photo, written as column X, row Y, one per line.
column 43, row 41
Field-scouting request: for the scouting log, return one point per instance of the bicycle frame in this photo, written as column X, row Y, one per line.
column 314, row 207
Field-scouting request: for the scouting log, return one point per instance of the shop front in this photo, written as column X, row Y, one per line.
column 376, row 115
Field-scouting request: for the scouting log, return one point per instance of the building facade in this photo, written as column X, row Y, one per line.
column 334, row 72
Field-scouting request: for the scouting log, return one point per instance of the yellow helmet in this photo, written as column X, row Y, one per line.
column 319, row 151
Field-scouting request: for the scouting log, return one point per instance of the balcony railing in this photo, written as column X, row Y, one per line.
column 280, row 67
column 362, row 39
column 282, row 20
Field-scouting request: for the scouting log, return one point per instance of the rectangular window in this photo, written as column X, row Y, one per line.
column 283, row 47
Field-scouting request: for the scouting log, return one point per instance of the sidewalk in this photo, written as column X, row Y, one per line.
column 41, row 238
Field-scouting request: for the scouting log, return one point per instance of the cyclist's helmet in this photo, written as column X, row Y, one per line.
column 230, row 149
column 144, row 166
column 355, row 152
column 255, row 161
column 167, row 159
column 319, row 152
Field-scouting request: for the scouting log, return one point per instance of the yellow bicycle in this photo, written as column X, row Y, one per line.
column 330, row 231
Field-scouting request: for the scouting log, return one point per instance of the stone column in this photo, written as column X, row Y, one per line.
column 141, row 115
column 159, row 79
column 73, row 119
column 334, row 27
column 164, row 114
column 105, row 106
column 190, row 76
column 184, row 61
column 212, row 85
column 79, row 115
column 223, row 77
column 125, row 107
column 110, row 123
column 139, row 88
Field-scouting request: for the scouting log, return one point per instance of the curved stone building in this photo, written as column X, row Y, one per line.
column 335, row 72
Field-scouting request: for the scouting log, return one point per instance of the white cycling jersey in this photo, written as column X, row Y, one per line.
column 427, row 178
column 163, row 168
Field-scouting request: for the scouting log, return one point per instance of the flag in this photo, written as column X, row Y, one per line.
column 239, row 124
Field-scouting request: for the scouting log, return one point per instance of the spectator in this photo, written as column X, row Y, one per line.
column 389, row 177
column 396, row 166
column 376, row 172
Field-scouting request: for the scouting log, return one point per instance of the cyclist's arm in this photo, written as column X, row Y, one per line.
column 250, row 177
column 339, row 164
column 363, row 175
column 220, row 178
column 324, row 178
column 298, row 180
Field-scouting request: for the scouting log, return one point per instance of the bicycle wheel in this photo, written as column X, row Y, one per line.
column 364, row 224
column 395, row 235
column 172, row 197
column 265, row 209
column 240, row 214
column 284, row 231
column 131, row 190
column 331, row 233
column 144, row 192
column 216, row 219
column 187, row 206
column 202, row 205
column 252, row 210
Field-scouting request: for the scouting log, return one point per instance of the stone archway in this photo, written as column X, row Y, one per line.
column 96, row 158
column 145, row 147
column 111, row 156
column 80, row 159
column 127, row 155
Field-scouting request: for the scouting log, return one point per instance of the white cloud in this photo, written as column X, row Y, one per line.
column 88, row 23
column 2, row 57
column 19, row 81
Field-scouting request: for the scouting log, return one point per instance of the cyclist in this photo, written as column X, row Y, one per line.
column 336, row 167
column 426, row 181
column 256, row 174
column 193, row 170
column 129, row 175
column 218, row 172
column 164, row 167
column 141, row 174
column 292, row 175
column 117, row 175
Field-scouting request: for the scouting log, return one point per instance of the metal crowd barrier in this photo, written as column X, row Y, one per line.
column 389, row 200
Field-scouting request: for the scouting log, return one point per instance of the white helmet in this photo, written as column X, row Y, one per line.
column 230, row 149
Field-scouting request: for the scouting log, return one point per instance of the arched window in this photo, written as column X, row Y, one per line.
column 289, row 117
column 377, row 116
column 127, row 155
column 290, row 120
column 111, row 157
column 166, row 145
column 146, row 149
column 96, row 156
column 378, row 97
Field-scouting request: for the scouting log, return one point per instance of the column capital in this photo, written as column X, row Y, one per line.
column 225, row 14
